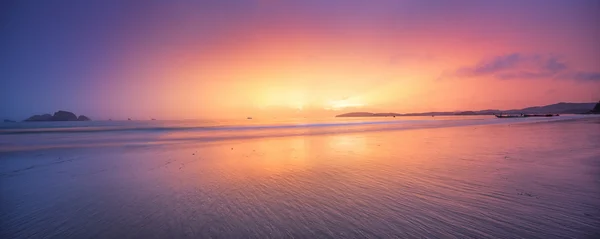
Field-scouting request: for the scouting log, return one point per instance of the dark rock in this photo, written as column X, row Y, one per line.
column 596, row 109
column 9, row 121
column 64, row 116
column 60, row 115
column 44, row 117
column 83, row 118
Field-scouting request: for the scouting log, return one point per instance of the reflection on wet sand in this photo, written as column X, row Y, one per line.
column 474, row 181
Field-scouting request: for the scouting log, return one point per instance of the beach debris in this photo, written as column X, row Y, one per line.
column 231, row 148
column 520, row 192
column 525, row 193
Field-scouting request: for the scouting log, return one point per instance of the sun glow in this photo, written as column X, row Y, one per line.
column 343, row 104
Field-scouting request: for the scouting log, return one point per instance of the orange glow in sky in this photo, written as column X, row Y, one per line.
column 313, row 58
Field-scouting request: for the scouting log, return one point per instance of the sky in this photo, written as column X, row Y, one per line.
column 266, row 58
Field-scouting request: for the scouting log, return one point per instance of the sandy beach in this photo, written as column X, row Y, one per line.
column 501, row 180
column 299, row 119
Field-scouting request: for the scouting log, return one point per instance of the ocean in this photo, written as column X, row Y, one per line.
column 402, row 177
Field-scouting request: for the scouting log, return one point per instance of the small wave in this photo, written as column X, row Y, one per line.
column 34, row 139
column 178, row 127
column 167, row 128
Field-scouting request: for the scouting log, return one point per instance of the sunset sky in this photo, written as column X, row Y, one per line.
column 232, row 59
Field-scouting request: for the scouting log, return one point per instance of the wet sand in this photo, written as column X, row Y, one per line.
column 538, row 180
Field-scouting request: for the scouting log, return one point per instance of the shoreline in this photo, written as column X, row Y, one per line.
column 185, row 137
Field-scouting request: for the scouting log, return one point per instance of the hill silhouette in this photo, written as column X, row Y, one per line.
column 558, row 108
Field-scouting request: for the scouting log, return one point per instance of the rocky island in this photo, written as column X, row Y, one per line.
column 58, row 116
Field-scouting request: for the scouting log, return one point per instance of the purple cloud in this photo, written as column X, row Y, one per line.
column 587, row 76
column 525, row 75
column 519, row 66
column 490, row 66
column 554, row 65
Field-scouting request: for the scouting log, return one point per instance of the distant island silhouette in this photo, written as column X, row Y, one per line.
column 559, row 108
column 60, row 115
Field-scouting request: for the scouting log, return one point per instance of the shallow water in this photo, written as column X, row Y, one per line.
column 27, row 136
column 468, row 178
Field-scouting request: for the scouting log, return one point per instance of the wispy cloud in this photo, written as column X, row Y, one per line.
column 490, row 66
column 519, row 66
column 587, row 76
column 554, row 65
